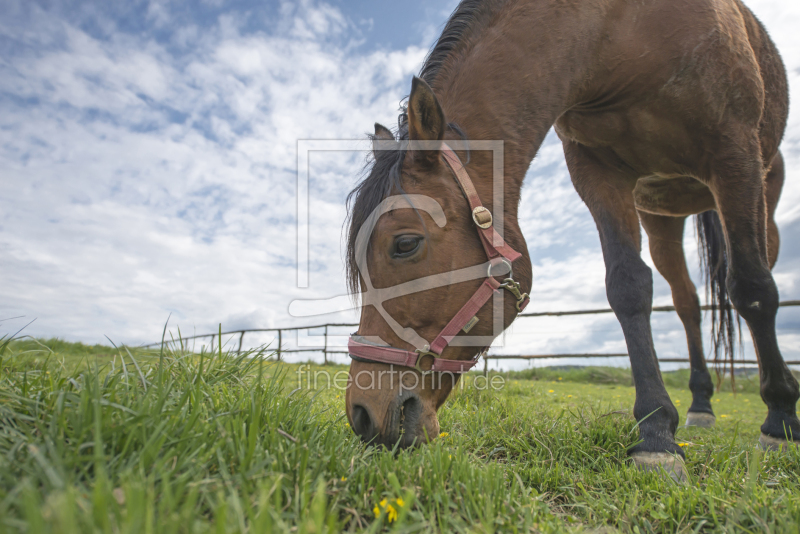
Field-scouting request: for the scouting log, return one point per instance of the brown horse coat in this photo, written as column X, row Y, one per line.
column 665, row 108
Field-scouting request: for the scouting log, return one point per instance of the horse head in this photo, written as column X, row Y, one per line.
column 431, row 269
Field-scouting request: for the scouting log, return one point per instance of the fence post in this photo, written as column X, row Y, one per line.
column 279, row 344
column 212, row 343
column 241, row 339
column 325, row 348
column 485, row 366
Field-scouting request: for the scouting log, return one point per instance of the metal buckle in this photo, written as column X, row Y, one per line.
column 513, row 286
column 503, row 261
column 479, row 215
column 425, row 351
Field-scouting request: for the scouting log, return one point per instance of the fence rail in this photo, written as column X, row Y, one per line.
column 326, row 351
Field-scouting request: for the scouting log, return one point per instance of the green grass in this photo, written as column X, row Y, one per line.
column 95, row 439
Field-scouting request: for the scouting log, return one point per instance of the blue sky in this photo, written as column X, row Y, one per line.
column 148, row 160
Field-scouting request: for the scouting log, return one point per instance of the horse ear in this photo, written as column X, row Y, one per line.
column 382, row 133
column 425, row 116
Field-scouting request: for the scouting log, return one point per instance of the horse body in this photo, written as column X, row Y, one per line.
column 665, row 108
column 670, row 79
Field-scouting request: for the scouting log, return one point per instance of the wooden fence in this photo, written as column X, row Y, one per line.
column 279, row 351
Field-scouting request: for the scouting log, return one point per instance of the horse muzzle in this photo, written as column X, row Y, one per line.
column 404, row 423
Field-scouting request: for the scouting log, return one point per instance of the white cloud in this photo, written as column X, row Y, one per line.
column 147, row 183
column 144, row 177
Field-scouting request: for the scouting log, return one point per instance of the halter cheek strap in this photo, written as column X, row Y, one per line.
column 493, row 244
column 497, row 250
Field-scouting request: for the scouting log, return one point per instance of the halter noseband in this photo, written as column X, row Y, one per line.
column 498, row 252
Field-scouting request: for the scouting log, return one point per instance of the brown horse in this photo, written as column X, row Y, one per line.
column 665, row 108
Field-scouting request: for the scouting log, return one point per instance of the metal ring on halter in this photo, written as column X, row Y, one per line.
column 502, row 260
column 422, row 353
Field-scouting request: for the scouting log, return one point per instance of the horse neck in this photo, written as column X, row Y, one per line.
column 513, row 80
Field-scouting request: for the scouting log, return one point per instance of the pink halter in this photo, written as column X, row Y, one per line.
column 361, row 350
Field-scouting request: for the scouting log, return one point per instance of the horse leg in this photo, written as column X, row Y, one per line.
column 774, row 185
column 608, row 192
column 666, row 249
column 739, row 189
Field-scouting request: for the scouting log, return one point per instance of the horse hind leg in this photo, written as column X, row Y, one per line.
column 774, row 185
column 608, row 193
column 739, row 189
column 666, row 249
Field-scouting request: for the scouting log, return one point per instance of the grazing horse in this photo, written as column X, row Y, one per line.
column 665, row 109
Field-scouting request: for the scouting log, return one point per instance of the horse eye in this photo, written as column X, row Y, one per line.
column 405, row 245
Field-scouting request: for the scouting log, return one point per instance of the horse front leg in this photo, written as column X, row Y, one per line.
column 608, row 192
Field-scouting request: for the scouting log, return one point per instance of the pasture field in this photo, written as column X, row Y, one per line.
column 95, row 439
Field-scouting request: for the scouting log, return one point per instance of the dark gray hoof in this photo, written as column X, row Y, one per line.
column 701, row 419
column 768, row 443
column 663, row 462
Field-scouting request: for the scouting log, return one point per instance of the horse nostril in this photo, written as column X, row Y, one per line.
column 362, row 423
column 411, row 406
column 410, row 412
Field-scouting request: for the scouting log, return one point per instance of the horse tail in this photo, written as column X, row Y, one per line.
column 714, row 265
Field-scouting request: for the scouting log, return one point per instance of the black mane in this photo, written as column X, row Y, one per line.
column 469, row 17
column 382, row 173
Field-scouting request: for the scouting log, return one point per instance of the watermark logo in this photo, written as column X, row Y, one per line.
column 388, row 379
column 376, row 297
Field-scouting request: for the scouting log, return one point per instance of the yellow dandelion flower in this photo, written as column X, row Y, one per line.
column 569, row 396
column 391, row 513
column 551, row 391
column 559, row 378
column 724, row 415
column 443, row 435
column 400, row 502
column 344, row 479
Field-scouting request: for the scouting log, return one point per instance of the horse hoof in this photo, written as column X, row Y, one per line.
column 700, row 419
column 663, row 462
column 769, row 443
